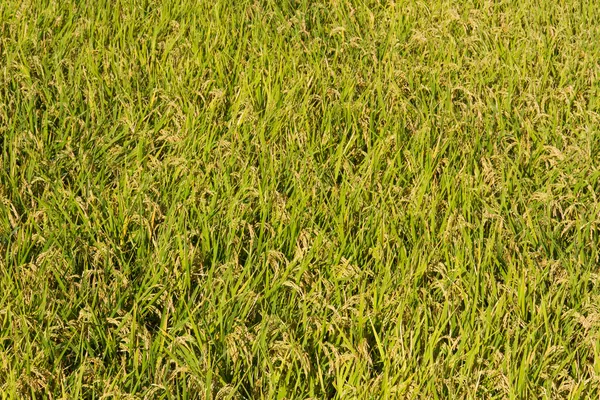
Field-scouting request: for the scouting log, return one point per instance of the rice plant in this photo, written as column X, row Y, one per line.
column 294, row 199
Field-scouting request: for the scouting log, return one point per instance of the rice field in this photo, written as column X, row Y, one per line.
column 294, row 199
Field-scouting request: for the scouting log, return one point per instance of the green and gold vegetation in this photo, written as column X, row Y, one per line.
column 294, row 199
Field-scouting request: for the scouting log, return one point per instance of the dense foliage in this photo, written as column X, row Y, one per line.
column 299, row 199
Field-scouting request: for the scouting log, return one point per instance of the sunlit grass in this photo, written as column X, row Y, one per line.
column 299, row 199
